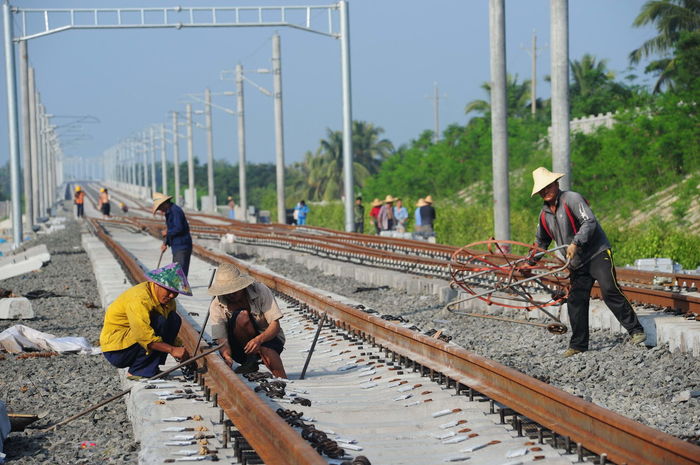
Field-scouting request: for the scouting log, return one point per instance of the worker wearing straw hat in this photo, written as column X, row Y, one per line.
column 567, row 219
column 385, row 218
column 177, row 235
column 427, row 217
column 374, row 213
column 141, row 325
column 244, row 313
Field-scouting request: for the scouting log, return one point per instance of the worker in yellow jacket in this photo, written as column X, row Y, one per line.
column 141, row 325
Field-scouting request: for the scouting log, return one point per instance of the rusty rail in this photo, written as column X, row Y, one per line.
column 597, row 429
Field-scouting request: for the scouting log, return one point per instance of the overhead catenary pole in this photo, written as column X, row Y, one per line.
column 26, row 135
column 347, row 114
column 144, row 159
column 243, row 198
column 13, row 125
column 33, row 146
column 176, row 157
column 279, row 129
column 163, row 161
column 210, row 150
column 559, row 24
column 436, row 111
column 152, row 151
column 192, row 201
column 533, row 80
column 499, row 123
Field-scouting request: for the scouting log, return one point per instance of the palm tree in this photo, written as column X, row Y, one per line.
column 368, row 149
column 588, row 75
column 518, row 98
column 672, row 18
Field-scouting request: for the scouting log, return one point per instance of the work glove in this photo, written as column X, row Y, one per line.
column 571, row 251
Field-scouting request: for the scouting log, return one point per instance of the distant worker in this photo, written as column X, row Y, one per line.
column 244, row 313
column 358, row 216
column 79, row 201
column 103, row 203
column 124, row 208
column 231, row 208
column 400, row 215
column 141, row 325
column 385, row 218
column 427, row 217
column 302, row 212
column 416, row 216
column 374, row 214
column 177, row 232
column 567, row 219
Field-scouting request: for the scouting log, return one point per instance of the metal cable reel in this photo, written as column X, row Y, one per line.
column 513, row 275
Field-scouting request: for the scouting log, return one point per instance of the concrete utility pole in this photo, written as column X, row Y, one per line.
column 242, row 192
column 347, row 114
column 190, row 159
column 163, row 161
column 145, row 160
column 26, row 134
column 436, row 112
column 176, row 156
column 12, row 123
column 279, row 131
column 533, row 79
column 33, row 146
column 559, row 20
column 499, row 121
column 210, row 150
column 152, row 143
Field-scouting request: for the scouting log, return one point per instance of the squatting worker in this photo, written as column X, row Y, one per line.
column 177, row 233
column 141, row 325
column 567, row 219
column 245, row 313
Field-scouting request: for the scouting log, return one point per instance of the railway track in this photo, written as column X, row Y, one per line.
column 538, row 411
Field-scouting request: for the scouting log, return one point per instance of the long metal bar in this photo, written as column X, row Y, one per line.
column 13, row 126
column 313, row 346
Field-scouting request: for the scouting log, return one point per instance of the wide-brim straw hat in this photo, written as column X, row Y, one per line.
column 421, row 203
column 542, row 178
column 228, row 279
column 389, row 198
column 159, row 199
column 428, row 199
column 171, row 277
column 376, row 202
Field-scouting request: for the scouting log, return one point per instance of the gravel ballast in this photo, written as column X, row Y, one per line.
column 60, row 386
column 634, row 381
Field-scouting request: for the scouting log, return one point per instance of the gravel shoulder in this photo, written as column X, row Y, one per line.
column 63, row 385
column 634, row 381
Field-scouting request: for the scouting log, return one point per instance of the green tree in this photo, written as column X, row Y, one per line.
column 671, row 18
column 593, row 89
column 518, row 98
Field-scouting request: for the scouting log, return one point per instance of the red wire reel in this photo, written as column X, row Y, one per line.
column 513, row 275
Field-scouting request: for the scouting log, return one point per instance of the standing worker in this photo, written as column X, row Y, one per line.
column 302, row 212
column 141, row 325
column 103, row 203
column 177, row 233
column 401, row 216
column 79, row 201
column 567, row 219
column 358, row 214
column 427, row 217
column 231, row 208
column 244, row 313
column 374, row 214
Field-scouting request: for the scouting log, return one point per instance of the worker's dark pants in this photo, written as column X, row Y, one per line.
column 237, row 350
column 182, row 256
column 360, row 227
column 602, row 269
column 81, row 210
column 135, row 358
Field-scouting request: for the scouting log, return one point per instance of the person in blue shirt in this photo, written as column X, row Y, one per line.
column 400, row 216
column 302, row 212
column 416, row 214
column 177, row 235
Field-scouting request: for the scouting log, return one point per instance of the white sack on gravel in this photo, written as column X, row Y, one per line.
column 20, row 338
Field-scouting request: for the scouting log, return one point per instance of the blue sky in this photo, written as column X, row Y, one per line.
column 130, row 79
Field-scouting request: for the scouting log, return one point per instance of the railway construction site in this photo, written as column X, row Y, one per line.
column 379, row 369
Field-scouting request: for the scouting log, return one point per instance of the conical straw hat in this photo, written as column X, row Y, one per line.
column 542, row 178
column 228, row 279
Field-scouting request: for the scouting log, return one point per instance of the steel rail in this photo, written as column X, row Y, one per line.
column 269, row 435
column 599, row 430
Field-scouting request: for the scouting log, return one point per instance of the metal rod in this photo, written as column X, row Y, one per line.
column 206, row 318
column 313, row 346
column 126, row 391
